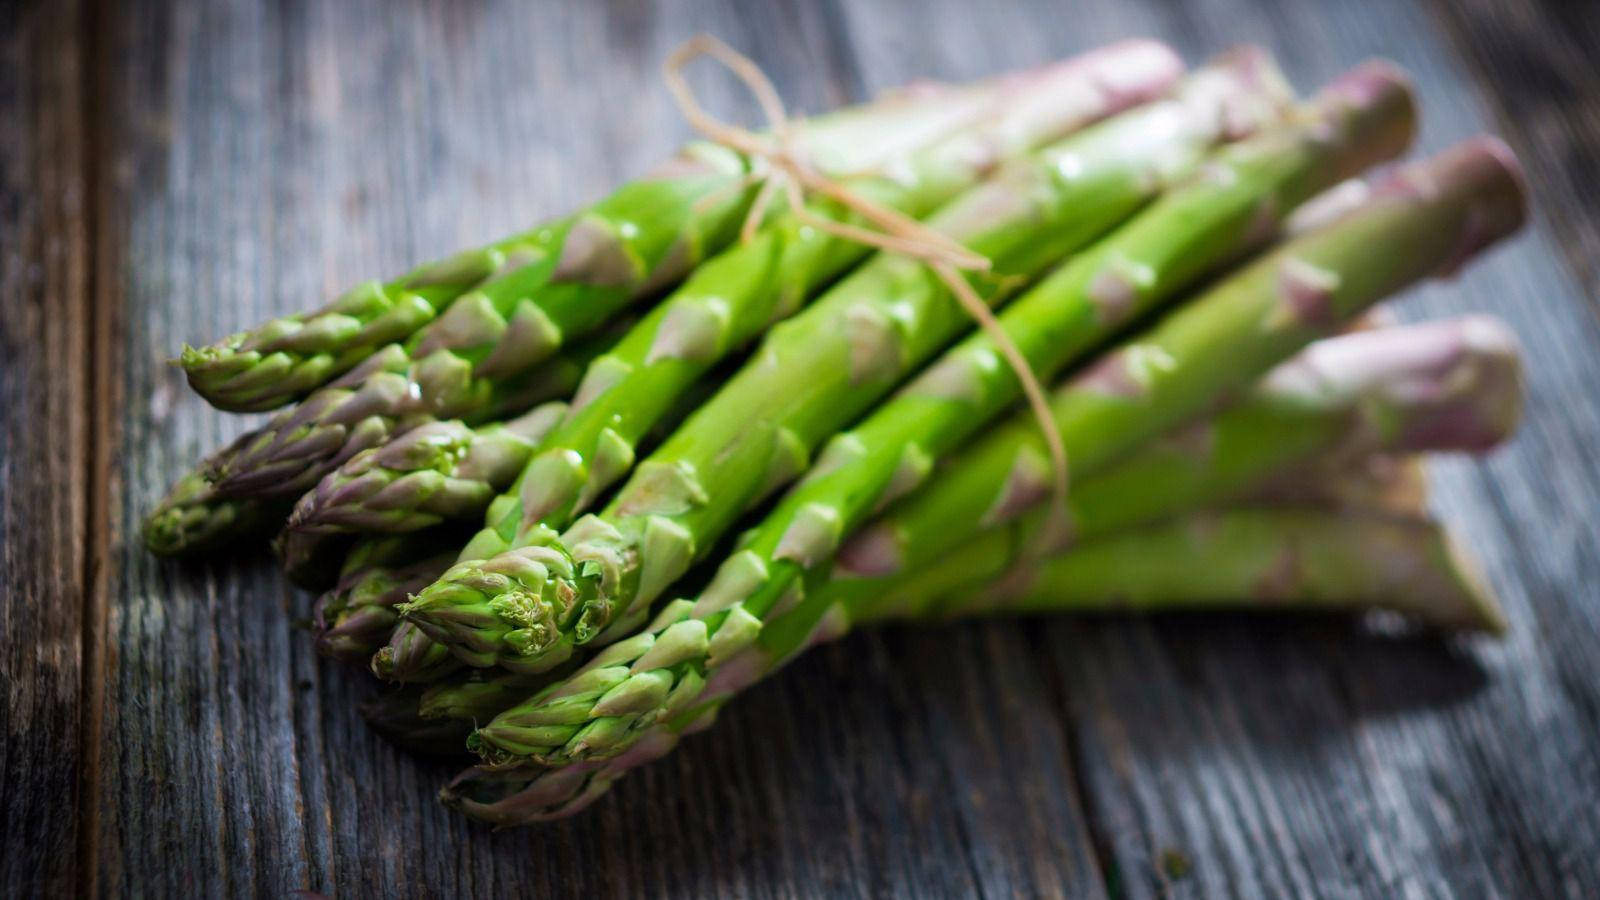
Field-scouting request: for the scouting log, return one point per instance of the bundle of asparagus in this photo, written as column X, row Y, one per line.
column 1185, row 250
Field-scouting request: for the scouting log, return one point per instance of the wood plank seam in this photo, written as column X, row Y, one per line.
column 102, row 351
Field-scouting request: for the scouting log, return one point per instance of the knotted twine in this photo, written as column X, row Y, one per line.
column 894, row 232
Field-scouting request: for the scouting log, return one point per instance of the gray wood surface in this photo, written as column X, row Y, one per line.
column 169, row 172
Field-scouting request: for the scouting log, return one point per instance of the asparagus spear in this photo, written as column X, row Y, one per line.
column 286, row 358
column 1320, row 429
column 730, row 300
column 356, row 615
column 559, row 279
column 1256, row 557
column 530, row 607
column 192, row 518
column 1424, row 218
column 1453, row 385
column 1246, row 190
column 364, row 408
column 434, row 473
column 455, row 365
column 636, row 386
column 1278, row 559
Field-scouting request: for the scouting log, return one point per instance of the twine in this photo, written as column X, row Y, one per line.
column 893, row 232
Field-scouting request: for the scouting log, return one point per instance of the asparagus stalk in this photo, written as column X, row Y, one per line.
column 286, row 358
column 455, row 365
column 528, row 608
column 1346, row 403
column 540, row 287
column 732, row 299
column 1321, row 429
column 438, row 472
column 1281, row 559
column 192, row 518
column 1424, row 218
column 362, row 409
column 1241, row 200
column 356, row 616
column 1251, row 558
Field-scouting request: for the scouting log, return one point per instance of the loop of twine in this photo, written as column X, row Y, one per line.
column 893, row 232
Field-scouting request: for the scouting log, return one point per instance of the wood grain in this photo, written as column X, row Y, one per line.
column 189, row 168
column 47, row 482
column 1543, row 69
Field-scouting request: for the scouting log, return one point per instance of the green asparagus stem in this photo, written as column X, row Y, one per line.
column 732, row 299
column 1421, row 219
column 1342, row 405
column 192, row 518
column 1424, row 218
column 356, row 616
column 1280, row 559
column 816, row 372
column 535, row 289
column 1317, row 430
column 364, row 408
column 1240, row 201
column 1250, row 558
column 438, row 472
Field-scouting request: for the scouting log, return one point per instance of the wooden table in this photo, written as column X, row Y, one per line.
column 172, row 172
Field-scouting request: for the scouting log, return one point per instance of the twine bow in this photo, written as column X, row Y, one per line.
column 893, row 232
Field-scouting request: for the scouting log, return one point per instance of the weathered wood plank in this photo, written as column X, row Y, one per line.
column 45, row 443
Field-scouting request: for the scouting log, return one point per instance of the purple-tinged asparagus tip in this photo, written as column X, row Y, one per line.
column 1450, row 385
column 1474, row 400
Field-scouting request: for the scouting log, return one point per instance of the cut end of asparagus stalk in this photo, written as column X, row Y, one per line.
column 192, row 519
column 1449, row 385
column 1479, row 610
column 1377, row 109
column 1483, row 175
